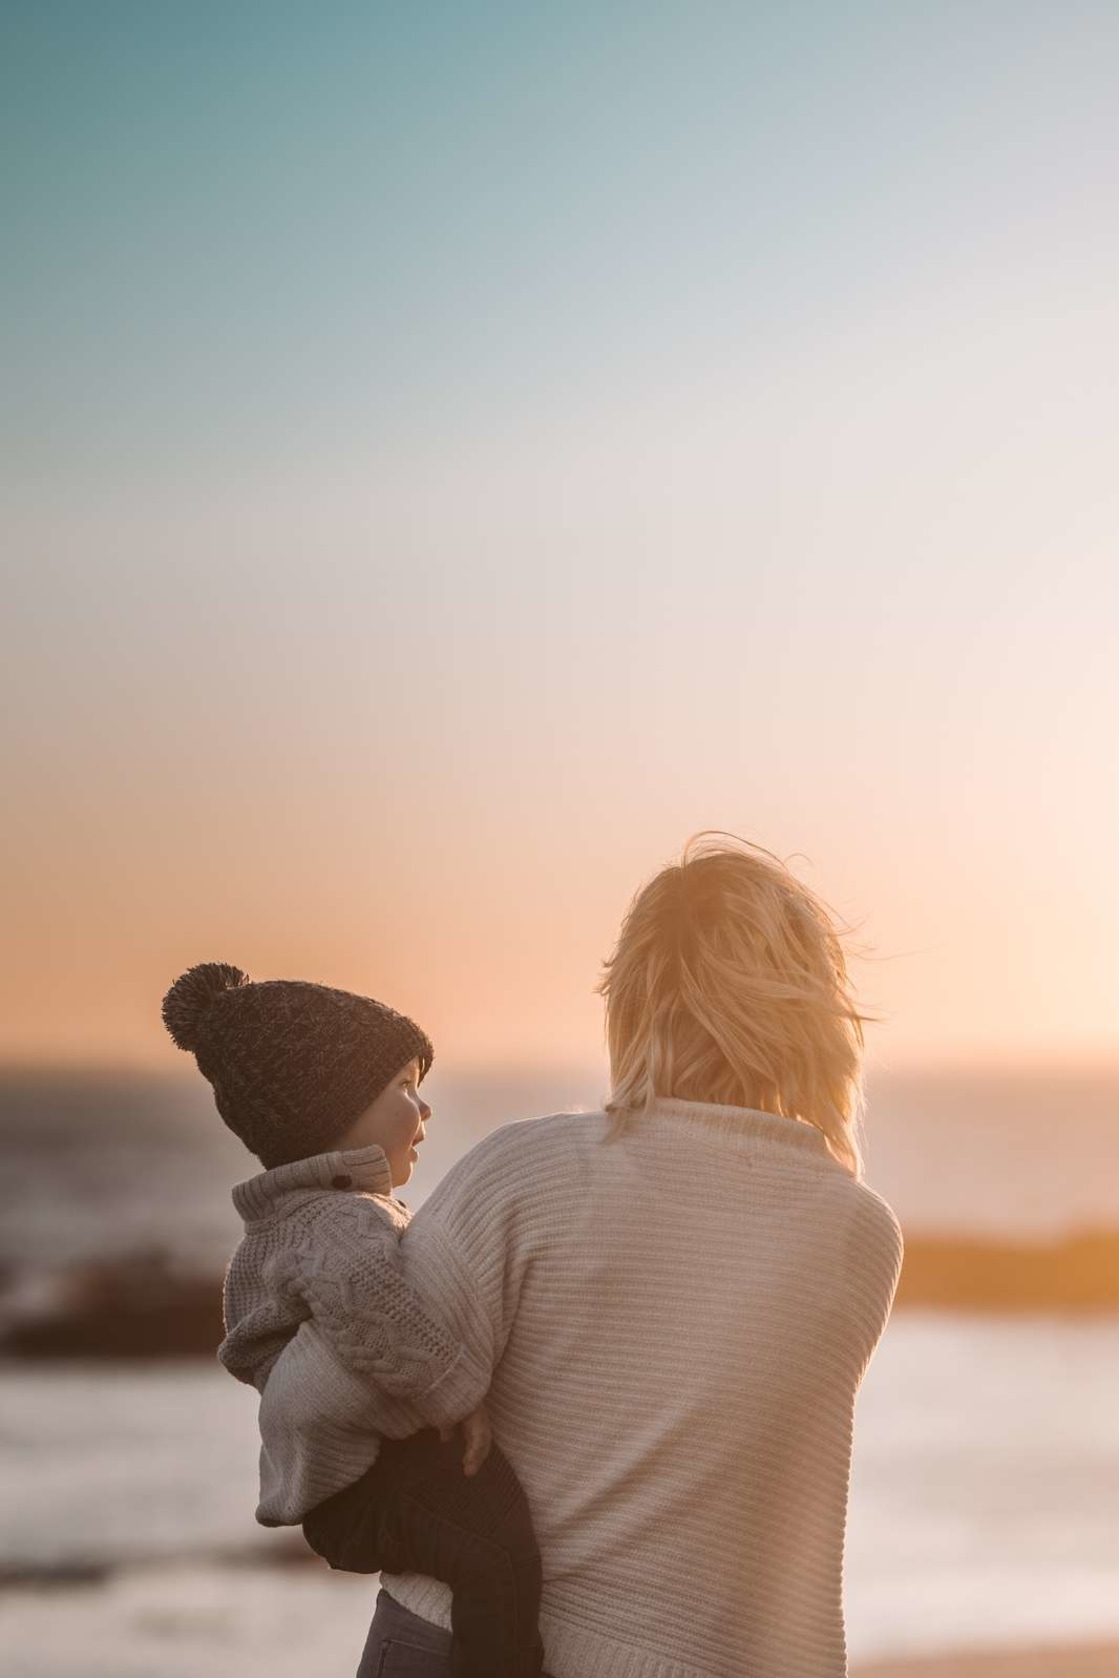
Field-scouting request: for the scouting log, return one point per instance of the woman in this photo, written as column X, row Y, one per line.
column 671, row 1303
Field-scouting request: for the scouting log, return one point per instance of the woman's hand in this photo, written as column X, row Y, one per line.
column 478, row 1437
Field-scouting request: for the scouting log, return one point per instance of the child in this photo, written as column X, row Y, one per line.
column 323, row 1087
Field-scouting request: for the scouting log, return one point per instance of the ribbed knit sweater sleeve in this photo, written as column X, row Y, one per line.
column 465, row 1254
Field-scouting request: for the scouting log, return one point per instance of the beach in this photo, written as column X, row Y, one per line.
column 231, row 1621
column 976, row 1522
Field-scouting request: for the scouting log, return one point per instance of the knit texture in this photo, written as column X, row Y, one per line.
column 292, row 1064
column 675, row 1324
column 316, row 1273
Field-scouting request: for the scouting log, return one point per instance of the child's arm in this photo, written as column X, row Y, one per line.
column 314, row 1409
column 348, row 1277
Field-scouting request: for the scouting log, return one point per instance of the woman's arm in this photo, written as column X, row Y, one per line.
column 463, row 1257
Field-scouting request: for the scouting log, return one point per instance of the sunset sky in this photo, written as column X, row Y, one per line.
column 455, row 452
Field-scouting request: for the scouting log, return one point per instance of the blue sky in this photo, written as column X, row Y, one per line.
column 275, row 228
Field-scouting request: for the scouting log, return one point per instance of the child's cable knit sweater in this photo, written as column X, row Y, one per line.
column 672, row 1326
column 315, row 1277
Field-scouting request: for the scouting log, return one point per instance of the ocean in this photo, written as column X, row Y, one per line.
column 986, row 1474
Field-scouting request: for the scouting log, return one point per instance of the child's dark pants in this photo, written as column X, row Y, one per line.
column 415, row 1511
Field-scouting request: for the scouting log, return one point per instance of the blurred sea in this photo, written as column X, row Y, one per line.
column 101, row 1164
column 987, row 1455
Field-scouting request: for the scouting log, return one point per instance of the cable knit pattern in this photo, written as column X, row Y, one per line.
column 675, row 1323
column 316, row 1278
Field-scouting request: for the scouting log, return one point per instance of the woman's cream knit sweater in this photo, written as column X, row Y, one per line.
column 672, row 1327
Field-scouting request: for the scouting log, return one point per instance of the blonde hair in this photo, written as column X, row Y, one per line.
column 729, row 986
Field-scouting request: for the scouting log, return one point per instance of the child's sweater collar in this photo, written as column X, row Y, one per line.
column 364, row 1169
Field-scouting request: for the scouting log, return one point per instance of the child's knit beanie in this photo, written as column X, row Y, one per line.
column 292, row 1064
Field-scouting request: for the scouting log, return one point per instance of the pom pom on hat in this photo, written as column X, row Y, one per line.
column 191, row 997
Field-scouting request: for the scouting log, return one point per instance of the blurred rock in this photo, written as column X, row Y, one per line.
column 144, row 1306
column 138, row 1306
column 1078, row 1273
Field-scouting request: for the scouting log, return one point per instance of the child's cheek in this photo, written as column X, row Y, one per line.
column 405, row 1127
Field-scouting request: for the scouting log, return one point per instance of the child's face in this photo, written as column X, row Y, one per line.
column 395, row 1121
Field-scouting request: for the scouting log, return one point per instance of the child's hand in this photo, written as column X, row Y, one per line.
column 476, row 1429
column 478, row 1438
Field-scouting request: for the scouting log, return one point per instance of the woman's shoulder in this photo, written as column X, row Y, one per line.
column 521, row 1161
column 555, row 1141
column 873, row 1212
column 513, row 1189
column 875, row 1246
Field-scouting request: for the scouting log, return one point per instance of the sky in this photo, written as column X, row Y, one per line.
column 454, row 453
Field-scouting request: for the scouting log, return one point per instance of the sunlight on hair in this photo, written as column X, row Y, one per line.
column 729, row 985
